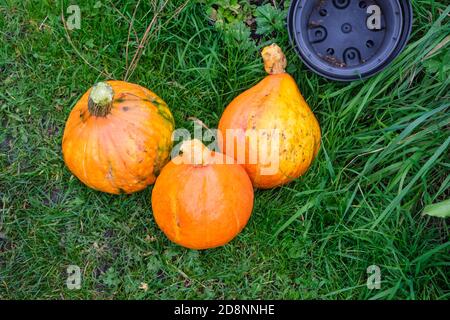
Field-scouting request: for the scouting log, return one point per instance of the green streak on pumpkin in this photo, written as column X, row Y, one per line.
column 163, row 111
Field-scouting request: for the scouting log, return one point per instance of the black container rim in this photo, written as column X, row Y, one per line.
column 310, row 58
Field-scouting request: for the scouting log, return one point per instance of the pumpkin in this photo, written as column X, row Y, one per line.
column 118, row 137
column 202, row 199
column 270, row 128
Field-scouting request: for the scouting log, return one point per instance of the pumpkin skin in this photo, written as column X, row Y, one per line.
column 274, row 103
column 119, row 147
column 202, row 206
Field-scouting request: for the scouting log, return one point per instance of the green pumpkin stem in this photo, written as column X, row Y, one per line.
column 100, row 99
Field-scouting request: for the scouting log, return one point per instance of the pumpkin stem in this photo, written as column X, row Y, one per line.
column 100, row 99
column 195, row 152
column 274, row 59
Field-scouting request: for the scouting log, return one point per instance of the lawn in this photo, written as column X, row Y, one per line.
column 384, row 157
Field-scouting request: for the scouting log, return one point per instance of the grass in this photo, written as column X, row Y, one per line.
column 384, row 158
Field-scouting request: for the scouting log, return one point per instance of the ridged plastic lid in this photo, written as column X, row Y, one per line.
column 348, row 40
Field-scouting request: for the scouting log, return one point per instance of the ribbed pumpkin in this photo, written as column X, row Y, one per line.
column 202, row 199
column 118, row 137
column 275, row 103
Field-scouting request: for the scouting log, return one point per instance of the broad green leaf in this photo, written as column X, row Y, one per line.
column 440, row 209
column 269, row 19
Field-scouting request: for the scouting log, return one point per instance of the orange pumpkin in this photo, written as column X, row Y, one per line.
column 202, row 199
column 286, row 130
column 118, row 137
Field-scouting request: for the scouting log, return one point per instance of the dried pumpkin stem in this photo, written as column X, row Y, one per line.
column 274, row 59
column 195, row 152
column 100, row 99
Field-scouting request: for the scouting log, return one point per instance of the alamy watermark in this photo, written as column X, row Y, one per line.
column 374, row 20
column 74, row 18
column 251, row 146
column 73, row 280
column 374, row 278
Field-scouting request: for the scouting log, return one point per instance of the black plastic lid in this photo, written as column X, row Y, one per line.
column 348, row 40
